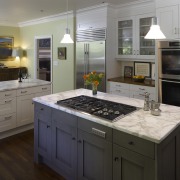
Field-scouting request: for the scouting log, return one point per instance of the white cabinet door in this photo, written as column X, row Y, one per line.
column 145, row 48
column 126, row 38
column 24, row 109
column 168, row 21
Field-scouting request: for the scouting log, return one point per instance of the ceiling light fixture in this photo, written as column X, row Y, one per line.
column 67, row 37
column 155, row 31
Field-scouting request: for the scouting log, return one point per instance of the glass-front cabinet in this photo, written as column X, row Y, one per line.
column 130, row 38
column 125, row 37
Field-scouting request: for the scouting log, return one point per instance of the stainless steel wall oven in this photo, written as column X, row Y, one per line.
column 169, row 72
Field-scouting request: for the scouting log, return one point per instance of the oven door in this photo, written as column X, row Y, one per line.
column 169, row 63
column 169, row 92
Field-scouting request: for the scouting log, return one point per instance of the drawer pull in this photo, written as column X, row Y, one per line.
column 44, row 88
column 42, row 109
column 8, row 101
column 23, row 92
column 131, row 143
column 142, row 89
column 7, row 95
column 118, row 85
column 141, row 94
column 7, row 118
column 79, row 141
column 48, row 126
column 116, row 159
column 99, row 132
column 73, row 138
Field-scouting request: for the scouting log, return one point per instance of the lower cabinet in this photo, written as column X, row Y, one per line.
column 94, row 157
column 64, row 143
column 128, row 165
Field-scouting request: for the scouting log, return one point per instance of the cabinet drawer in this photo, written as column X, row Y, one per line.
column 43, row 112
column 7, row 94
column 7, row 122
column 64, row 118
column 43, row 88
column 95, row 128
column 121, row 92
column 24, row 91
column 134, row 143
column 116, row 85
column 7, row 106
column 140, row 95
column 142, row 89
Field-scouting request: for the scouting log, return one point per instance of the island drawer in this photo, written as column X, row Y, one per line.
column 134, row 143
column 7, row 122
column 43, row 112
column 24, row 91
column 64, row 118
column 95, row 128
column 7, row 94
column 43, row 88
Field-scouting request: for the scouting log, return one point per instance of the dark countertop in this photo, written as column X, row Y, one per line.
column 148, row 82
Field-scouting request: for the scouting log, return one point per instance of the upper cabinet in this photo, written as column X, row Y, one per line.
column 130, row 37
column 169, row 21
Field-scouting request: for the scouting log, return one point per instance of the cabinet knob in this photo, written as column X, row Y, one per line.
column 131, row 143
column 73, row 138
column 41, row 109
column 79, row 141
column 48, row 126
column 116, row 159
column 175, row 30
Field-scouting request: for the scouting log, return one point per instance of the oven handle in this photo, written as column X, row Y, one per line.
column 170, row 49
column 177, row 82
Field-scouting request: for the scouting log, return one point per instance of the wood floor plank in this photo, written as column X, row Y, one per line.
column 17, row 160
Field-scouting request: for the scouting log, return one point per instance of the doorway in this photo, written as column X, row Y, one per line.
column 43, row 58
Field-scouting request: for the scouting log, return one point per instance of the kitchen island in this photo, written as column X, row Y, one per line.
column 82, row 146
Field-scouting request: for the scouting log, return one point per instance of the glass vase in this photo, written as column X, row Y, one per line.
column 94, row 89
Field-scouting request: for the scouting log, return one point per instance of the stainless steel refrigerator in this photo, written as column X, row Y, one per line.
column 90, row 56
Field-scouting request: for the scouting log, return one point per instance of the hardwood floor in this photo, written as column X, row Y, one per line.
column 16, row 160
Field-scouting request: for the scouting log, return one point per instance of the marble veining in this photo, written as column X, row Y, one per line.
column 139, row 123
column 14, row 84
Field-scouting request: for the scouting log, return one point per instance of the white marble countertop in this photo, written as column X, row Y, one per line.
column 139, row 123
column 14, row 84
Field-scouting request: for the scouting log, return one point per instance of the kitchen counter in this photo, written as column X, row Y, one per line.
column 14, row 84
column 130, row 81
column 140, row 123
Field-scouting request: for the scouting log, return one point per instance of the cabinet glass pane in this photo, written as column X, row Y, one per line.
column 125, row 40
column 147, row 46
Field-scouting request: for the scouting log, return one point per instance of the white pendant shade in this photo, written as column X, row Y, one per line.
column 67, row 37
column 155, row 31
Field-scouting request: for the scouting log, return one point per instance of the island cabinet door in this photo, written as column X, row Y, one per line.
column 64, row 146
column 94, row 157
column 42, row 132
column 128, row 165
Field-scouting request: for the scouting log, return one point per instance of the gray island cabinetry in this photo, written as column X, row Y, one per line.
column 82, row 147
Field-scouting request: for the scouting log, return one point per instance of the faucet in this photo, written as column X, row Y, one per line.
column 146, row 102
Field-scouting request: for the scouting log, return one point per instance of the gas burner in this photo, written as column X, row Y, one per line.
column 105, row 113
column 110, row 111
column 98, row 107
column 116, row 112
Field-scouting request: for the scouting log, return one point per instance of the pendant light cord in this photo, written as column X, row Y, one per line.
column 67, row 13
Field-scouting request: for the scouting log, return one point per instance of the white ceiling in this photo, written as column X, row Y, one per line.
column 13, row 12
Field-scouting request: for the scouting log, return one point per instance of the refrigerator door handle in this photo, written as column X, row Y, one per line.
column 87, row 63
column 84, row 59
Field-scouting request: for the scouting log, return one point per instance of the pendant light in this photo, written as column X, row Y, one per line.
column 67, row 37
column 155, row 31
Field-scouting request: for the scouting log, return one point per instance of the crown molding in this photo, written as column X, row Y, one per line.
column 46, row 19
column 136, row 3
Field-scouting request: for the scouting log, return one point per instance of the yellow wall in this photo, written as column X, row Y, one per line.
column 63, row 73
column 12, row 32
